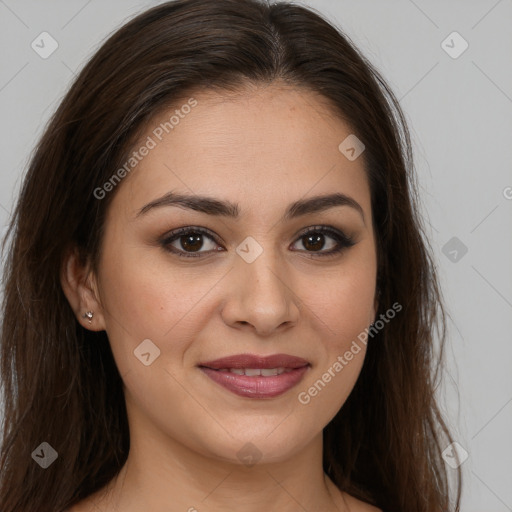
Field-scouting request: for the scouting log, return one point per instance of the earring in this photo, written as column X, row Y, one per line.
column 88, row 315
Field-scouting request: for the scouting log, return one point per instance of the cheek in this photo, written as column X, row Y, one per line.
column 343, row 300
column 147, row 298
column 342, row 310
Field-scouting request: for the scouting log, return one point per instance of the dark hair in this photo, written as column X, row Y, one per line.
column 60, row 381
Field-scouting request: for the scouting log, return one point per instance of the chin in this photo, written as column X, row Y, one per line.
column 262, row 446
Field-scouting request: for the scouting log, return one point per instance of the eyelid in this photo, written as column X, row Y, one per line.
column 324, row 228
column 343, row 240
column 175, row 234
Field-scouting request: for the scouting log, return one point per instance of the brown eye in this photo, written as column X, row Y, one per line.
column 319, row 238
column 187, row 241
column 191, row 242
column 317, row 241
column 313, row 242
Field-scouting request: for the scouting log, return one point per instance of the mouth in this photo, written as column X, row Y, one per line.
column 256, row 376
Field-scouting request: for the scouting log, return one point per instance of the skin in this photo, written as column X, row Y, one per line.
column 262, row 148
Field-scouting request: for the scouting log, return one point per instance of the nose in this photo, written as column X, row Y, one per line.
column 261, row 297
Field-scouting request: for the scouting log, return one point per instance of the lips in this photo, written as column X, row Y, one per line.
column 251, row 361
column 256, row 376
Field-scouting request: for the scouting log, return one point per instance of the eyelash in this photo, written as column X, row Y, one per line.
column 343, row 241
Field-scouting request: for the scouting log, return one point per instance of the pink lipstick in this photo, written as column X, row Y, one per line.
column 254, row 376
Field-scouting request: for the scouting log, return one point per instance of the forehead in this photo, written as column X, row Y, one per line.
column 261, row 145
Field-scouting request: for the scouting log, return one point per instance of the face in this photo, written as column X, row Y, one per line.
column 264, row 267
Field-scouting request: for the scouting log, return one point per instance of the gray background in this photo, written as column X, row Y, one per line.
column 460, row 116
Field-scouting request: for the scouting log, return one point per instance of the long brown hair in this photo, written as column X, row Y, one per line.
column 60, row 382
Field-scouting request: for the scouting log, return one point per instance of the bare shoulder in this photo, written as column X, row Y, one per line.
column 92, row 503
column 83, row 506
column 345, row 501
column 356, row 505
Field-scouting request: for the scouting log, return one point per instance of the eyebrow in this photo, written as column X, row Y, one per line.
column 212, row 206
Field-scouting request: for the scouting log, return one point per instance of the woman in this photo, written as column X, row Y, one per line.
column 217, row 290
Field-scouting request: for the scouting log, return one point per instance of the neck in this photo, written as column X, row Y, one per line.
column 161, row 474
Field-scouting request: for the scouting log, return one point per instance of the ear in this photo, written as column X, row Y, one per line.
column 80, row 287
